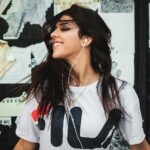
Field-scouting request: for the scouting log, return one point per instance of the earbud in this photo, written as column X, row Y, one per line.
column 84, row 42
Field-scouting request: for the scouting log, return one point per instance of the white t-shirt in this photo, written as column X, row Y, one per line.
column 91, row 128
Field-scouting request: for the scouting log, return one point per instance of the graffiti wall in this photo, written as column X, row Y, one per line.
column 22, row 48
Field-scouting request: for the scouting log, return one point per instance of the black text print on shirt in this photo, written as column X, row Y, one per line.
column 102, row 140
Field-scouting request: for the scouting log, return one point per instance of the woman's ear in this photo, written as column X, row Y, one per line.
column 86, row 41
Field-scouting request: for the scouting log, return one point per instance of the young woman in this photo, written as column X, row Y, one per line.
column 74, row 101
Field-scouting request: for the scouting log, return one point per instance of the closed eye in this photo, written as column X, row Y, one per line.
column 64, row 28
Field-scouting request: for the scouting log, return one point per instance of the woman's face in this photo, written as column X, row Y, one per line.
column 66, row 43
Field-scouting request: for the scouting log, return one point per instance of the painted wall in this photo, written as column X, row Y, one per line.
column 22, row 48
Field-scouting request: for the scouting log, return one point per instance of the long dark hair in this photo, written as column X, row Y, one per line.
column 50, row 77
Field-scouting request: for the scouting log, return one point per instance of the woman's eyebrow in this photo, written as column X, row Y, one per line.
column 66, row 22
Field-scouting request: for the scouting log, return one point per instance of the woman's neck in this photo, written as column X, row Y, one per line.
column 86, row 75
column 84, row 71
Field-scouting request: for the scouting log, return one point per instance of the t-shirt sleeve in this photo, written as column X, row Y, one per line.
column 26, row 127
column 132, row 125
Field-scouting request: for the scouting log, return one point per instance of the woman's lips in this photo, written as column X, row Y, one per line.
column 57, row 44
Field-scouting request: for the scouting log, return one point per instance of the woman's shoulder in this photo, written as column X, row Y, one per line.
column 123, row 85
column 127, row 93
column 30, row 104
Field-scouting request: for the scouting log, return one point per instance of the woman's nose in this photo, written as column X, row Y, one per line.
column 54, row 34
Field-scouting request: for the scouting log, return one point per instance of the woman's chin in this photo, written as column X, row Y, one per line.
column 57, row 56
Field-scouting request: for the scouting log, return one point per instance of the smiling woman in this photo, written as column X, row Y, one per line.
column 65, row 39
column 74, row 102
